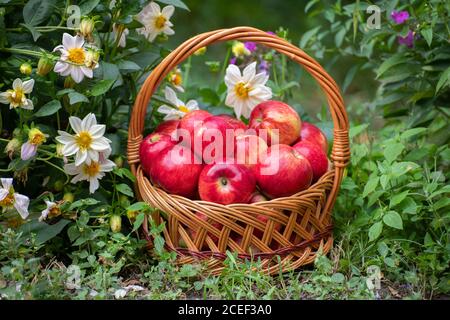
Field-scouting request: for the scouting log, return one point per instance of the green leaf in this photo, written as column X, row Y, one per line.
column 34, row 33
column 397, row 198
column 176, row 3
column 338, row 278
column 442, row 203
column 310, row 4
column 349, row 77
column 125, row 189
column 375, row 231
column 307, row 36
column 408, row 206
column 75, row 97
column 370, row 186
column 339, row 37
column 138, row 206
column 138, row 222
column 389, row 63
column 48, row 109
column 444, row 80
column 392, row 151
column 427, row 34
column 354, row 131
column 87, row 6
column 411, row 133
column 83, row 203
column 393, row 220
column 43, row 231
column 128, row 65
column 37, row 11
column 101, row 87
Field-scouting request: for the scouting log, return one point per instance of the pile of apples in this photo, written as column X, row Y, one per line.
column 275, row 155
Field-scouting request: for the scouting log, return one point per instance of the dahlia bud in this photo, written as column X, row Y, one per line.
column 68, row 197
column 115, row 223
column 12, row 147
column 25, row 68
column 92, row 57
column 45, row 65
column 59, row 148
column 87, row 27
column 119, row 162
column 69, row 83
column 200, row 51
column 132, row 214
column 58, row 185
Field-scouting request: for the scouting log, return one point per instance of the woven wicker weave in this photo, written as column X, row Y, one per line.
column 305, row 217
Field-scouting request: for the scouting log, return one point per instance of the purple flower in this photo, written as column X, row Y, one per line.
column 271, row 33
column 250, row 46
column 28, row 151
column 408, row 40
column 264, row 67
column 399, row 16
column 233, row 60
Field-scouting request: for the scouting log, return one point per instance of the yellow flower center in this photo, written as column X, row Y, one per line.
column 239, row 49
column 36, row 137
column 84, row 140
column 176, row 79
column 16, row 96
column 92, row 169
column 77, row 55
column 8, row 201
column 241, row 90
column 183, row 109
column 54, row 212
column 160, row 22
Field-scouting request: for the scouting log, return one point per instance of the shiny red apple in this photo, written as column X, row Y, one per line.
column 249, row 149
column 313, row 134
column 150, row 148
column 188, row 124
column 226, row 182
column 276, row 121
column 235, row 123
column 283, row 172
column 168, row 127
column 176, row 169
column 213, row 140
column 315, row 155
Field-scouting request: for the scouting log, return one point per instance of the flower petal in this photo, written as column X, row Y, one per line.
column 81, row 157
column 75, row 123
column 76, row 74
column 28, row 86
column 168, row 11
column 7, row 183
column 249, row 72
column 21, row 204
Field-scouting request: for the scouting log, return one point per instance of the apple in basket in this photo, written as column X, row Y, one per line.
column 204, row 217
column 150, row 148
column 277, row 119
column 283, row 171
column 315, row 155
column 235, row 123
column 248, row 149
column 176, row 169
column 258, row 197
column 226, row 182
column 213, row 140
column 187, row 125
column 314, row 135
column 168, row 127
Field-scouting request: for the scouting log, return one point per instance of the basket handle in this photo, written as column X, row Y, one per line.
column 340, row 154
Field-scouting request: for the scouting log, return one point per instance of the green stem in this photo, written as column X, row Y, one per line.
column 5, row 140
column 224, row 67
column 22, row 51
column 187, row 70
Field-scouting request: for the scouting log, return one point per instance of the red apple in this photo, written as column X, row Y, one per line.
column 316, row 157
column 168, row 127
column 226, row 182
column 187, row 125
column 258, row 197
column 283, row 172
column 313, row 134
column 213, row 140
column 176, row 169
column 204, row 217
column 150, row 148
column 235, row 123
column 277, row 119
column 248, row 149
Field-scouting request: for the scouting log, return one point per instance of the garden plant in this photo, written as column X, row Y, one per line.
column 71, row 71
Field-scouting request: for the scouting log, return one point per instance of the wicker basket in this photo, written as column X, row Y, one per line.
column 305, row 217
